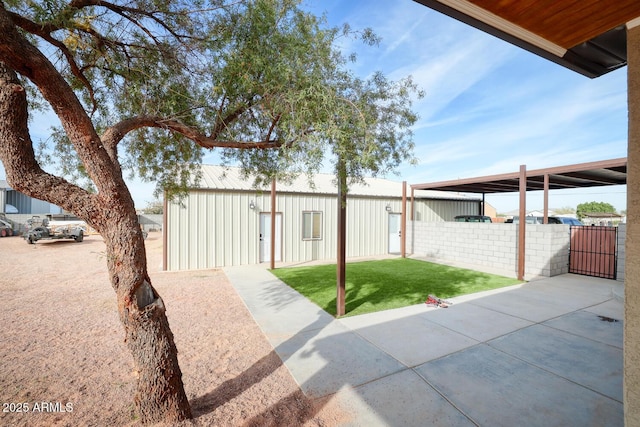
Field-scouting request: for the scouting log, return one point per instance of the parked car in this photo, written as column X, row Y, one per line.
column 569, row 221
column 551, row 220
column 6, row 229
column 472, row 218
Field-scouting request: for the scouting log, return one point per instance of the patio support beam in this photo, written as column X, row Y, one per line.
column 273, row 224
column 342, row 239
column 632, row 245
column 546, row 199
column 523, row 221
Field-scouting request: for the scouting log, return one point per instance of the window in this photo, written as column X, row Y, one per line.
column 311, row 225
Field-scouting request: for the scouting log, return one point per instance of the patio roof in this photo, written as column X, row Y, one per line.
column 593, row 174
column 587, row 36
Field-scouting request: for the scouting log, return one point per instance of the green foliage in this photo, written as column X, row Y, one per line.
column 382, row 285
column 594, row 207
column 154, row 208
column 238, row 73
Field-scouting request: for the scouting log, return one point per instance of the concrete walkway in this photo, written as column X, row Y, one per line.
column 546, row 353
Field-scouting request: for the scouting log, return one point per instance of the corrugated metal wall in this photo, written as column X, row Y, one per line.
column 20, row 201
column 218, row 228
column 444, row 210
column 28, row 205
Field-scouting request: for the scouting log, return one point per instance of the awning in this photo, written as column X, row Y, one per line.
column 587, row 36
column 593, row 174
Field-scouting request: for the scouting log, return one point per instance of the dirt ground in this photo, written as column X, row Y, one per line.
column 63, row 360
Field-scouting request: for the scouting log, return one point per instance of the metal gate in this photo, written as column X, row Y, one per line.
column 593, row 251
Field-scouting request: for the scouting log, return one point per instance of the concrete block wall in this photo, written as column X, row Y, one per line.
column 493, row 246
column 547, row 250
column 622, row 236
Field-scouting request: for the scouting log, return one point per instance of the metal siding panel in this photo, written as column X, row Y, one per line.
column 443, row 210
column 182, row 238
column 218, row 234
column 200, row 250
column 291, row 228
column 169, row 232
column 193, row 242
column 209, row 229
column 360, row 226
column 175, row 224
column 19, row 201
column 229, row 231
column 244, row 212
column 217, row 228
column 205, row 229
column 327, row 247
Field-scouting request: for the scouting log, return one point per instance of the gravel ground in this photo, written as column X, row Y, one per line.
column 63, row 360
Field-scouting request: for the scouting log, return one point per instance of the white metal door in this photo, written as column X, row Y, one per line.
column 394, row 233
column 265, row 237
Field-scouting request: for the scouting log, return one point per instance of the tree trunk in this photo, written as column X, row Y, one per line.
column 160, row 395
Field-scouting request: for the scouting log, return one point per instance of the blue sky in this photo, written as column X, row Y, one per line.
column 489, row 107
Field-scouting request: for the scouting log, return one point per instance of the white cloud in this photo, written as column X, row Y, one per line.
column 489, row 106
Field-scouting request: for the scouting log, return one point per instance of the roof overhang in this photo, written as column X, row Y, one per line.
column 583, row 175
column 602, row 215
column 586, row 36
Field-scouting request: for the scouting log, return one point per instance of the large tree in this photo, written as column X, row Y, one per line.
column 594, row 207
column 145, row 86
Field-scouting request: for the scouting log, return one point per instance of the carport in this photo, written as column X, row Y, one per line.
column 583, row 175
column 591, row 37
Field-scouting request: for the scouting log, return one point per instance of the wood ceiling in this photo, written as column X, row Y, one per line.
column 566, row 23
column 587, row 36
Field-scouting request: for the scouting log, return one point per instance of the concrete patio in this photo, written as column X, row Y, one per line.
column 545, row 353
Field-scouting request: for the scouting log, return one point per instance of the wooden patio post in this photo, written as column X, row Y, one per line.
column 545, row 219
column 522, row 229
column 273, row 224
column 403, row 225
column 342, row 238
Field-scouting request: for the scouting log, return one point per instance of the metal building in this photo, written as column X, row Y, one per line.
column 3, row 195
column 12, row 201
column 226, row 221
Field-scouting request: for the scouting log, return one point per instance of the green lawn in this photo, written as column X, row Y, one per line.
column 380, row 285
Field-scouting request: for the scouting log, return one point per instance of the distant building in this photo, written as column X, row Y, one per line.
column 602, row 218
column 14, row 202
column 516, row 212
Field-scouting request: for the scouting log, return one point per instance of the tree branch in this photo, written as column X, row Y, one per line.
column 125, row 10
column 17, row 155
column 114, row 134
column 44, row 31
column 21, row 56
